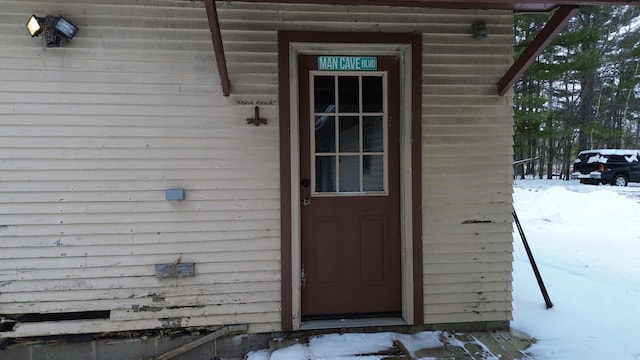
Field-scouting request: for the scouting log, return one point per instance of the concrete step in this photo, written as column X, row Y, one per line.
column 506, row 345
column 439, row 345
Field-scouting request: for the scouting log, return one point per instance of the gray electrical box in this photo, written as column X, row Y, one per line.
column 174, row 194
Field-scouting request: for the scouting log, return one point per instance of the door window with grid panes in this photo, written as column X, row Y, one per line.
column 349, row 133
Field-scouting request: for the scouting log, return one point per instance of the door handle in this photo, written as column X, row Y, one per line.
column 306, row 201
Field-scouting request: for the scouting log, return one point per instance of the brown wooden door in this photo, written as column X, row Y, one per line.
column 350, row 188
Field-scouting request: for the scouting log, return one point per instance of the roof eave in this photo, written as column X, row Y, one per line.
column 513, row 5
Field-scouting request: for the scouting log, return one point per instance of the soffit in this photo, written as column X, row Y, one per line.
column 515, row 5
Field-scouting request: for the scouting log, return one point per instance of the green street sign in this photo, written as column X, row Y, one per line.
column 348, row 63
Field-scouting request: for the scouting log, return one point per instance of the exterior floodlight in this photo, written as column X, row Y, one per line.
column 65, row 28
column 34, row 25
column 53, row 29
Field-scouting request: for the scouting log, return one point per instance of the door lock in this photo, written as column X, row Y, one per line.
column 306, row 201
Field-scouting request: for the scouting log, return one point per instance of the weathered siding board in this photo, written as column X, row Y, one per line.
column 93, row 133
column 66, row 248
column 462, row 316
column 468, row 297
column 146, row 282
column 150, row 238
column 79, row 273
column 135, row 304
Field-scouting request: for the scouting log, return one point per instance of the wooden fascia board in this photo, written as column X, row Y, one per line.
column 218, row 48
column 557, row 22
column 514, row 5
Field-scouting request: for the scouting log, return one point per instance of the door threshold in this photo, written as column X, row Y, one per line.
column 351, row 323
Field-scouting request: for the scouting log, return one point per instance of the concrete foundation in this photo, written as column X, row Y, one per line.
column 138, row 347
column 152, row 345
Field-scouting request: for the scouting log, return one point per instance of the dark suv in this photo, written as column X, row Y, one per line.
column 607, row 166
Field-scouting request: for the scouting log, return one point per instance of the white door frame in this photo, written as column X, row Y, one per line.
column 403, row 52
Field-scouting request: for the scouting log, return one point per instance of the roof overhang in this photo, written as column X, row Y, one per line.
column 514, row 5
column 564, row 11
column 553, row 27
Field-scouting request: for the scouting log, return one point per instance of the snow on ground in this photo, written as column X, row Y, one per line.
column 347, row 346
column 586, row 242
column 353, row 346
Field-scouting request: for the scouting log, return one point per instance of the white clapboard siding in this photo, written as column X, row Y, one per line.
column 93, row 133
column 91, row 136
column 467, row 172
column 466, row 137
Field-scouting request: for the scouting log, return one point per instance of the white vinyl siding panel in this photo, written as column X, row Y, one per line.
column 466, row 138
column 467, row 172
column 91, row 135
